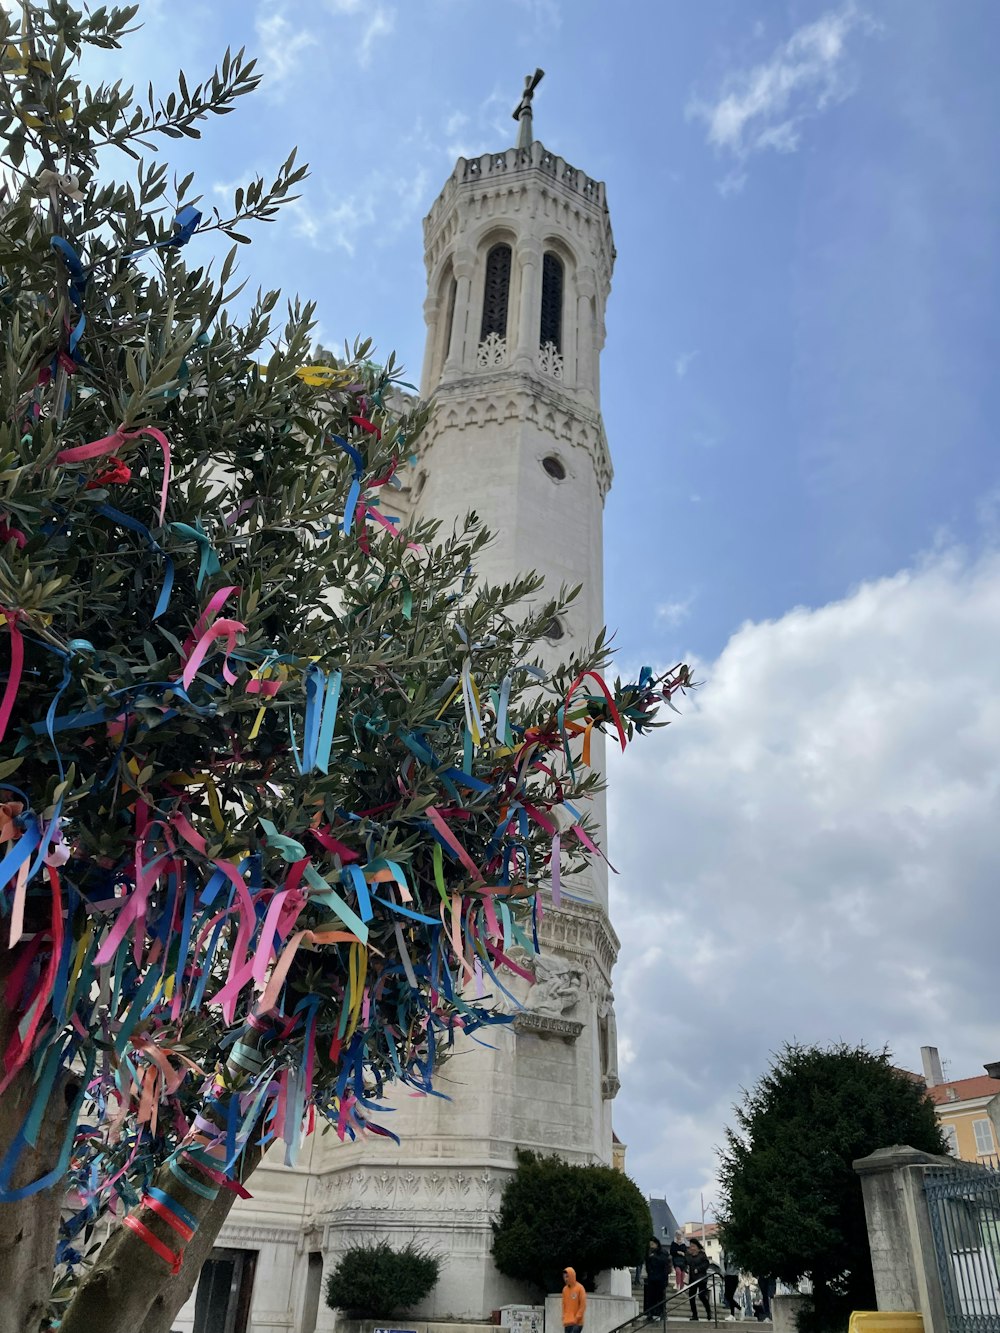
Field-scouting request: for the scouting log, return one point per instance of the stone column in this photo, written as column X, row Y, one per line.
column 464, row 267
column 431, row 308
column 586, row 347
column 899, row 1233
column 529, row 259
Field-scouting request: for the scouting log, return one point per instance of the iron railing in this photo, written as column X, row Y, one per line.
column 672, row 1302
column 964, row 1207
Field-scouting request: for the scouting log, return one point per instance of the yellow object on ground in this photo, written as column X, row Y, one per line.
column 886, row 1321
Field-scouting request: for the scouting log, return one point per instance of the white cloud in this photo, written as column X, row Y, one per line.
column 811, row 852
column 282, row 43
column 683, row 363
column 766, row 107
column 490, row 126
column 347, row 222
column 379, row 22
column 455, row 123
column 674, row 613
column 544, row 14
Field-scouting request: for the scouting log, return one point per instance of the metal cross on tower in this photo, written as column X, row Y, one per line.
column 522, row 112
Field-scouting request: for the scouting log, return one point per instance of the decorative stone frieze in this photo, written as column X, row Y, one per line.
column 239, row 1236
column 406, row 1187
column 581, row 930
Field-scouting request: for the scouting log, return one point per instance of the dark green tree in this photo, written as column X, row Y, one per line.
column 552, row 1214
column 260, row 753
column 792, row 1204
column 376, row 1281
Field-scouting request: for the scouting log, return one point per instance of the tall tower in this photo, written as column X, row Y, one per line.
column 519, row 255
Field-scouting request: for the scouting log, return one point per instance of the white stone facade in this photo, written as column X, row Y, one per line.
column 517, row 436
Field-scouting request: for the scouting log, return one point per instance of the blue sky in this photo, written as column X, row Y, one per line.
column 800, row 392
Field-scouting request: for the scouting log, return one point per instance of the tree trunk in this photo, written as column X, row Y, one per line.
column 130, row 1287
column 29, row 1229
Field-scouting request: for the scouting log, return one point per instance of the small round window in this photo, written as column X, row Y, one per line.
column 554, row 630
column 554, row 467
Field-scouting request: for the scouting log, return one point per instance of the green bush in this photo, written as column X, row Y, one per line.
column 552, row 1214
column 792, row 1202
column 376, row 1281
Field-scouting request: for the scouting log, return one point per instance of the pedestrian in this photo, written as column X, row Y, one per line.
column 730, row 1281
column 654, row 1288
column 679, row 1258
column 697, row 1278
column 574, row 1302
column 747, row 1295
column 768, row 1286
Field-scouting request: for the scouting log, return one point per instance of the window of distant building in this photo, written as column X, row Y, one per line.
column 983, row 1131
column 951, row 1138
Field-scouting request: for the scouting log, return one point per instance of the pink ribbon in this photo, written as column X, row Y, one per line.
column 370, row 510
column 215, row 605
column 333, row 846
column 133, row 908
column 281, row 916
column 222, row 629
column 612, row 709
column 82, row 453
column 227, row 997
column 16, row 667
column 449, row 837
column 589, row 843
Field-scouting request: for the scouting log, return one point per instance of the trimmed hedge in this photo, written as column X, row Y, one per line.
column 375, row 1281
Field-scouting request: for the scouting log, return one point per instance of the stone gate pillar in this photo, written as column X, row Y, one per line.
column 899, row 1232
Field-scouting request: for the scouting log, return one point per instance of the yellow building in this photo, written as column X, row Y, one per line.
column 617, row 1152
column 961, row 1106
column 708, row 1234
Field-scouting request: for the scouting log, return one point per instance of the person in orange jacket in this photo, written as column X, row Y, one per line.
column 574, row 1302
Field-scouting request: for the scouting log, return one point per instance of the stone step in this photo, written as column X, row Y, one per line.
column 764, row 1324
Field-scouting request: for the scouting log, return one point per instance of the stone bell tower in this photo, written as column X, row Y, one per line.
column 519, row 255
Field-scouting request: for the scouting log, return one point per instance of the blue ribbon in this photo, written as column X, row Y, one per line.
column 355, row 487
column 133, row 524
column 77, row 285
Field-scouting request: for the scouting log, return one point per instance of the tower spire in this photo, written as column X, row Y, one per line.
column 522, row 112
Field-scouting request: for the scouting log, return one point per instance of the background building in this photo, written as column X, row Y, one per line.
column 962, row 1106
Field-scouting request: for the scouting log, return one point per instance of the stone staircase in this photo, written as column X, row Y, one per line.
column 678, row 1314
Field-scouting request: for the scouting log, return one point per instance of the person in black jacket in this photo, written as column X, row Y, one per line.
column 654, row 1288
column 679, row 1258
column 697, row 1272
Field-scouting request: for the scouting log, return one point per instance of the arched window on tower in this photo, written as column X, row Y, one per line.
column 550, row 331
column 496, row 297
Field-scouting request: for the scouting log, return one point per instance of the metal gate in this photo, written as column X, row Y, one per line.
column 964, row 1207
